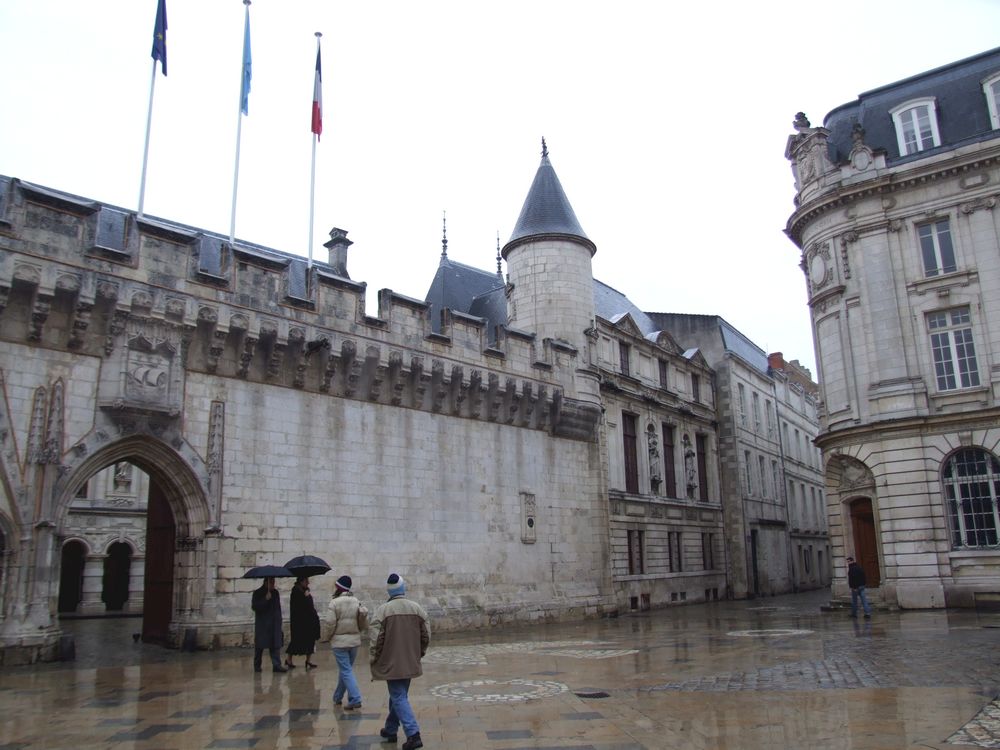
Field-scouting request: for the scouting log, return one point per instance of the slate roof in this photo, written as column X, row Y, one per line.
column 957, row 89
column 477, row 292
column 457, row 286
column 546, row 210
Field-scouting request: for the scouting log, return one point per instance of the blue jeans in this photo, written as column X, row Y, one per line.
column 857, row 593
column 345, row 682
column 399, row 708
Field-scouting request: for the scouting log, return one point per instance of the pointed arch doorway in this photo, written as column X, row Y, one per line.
column 176, row 520
column 865, row 540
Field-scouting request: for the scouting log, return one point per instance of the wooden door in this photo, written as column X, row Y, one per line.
column 158, row 597
column 865, row 545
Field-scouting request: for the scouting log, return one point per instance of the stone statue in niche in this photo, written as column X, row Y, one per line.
column 655, row 476
column 690, row 470
column 123, row 476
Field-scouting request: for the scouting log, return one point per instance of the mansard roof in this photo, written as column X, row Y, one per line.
column 547, row 211
column 957, row 90
column 611, row 304
column 714, row 336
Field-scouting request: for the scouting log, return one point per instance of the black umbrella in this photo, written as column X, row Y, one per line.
column 307, row 565
column 269, row 571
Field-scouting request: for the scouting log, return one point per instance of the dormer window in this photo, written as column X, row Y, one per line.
column 991, row 87
column 916, row 126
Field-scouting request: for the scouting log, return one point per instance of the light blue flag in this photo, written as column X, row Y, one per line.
column 245, row 87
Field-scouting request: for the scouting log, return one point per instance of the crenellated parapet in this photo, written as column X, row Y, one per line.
column 158, row 300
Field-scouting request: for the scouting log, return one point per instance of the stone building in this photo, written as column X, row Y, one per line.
column 535, row 451
column 895, row 218
column 776, row 534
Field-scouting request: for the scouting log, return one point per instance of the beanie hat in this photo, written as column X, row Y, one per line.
column 344, row 584
column 395, row 585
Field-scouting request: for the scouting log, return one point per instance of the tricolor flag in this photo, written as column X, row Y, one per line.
column 160, row 36
column 317, row 113
column 245, row 87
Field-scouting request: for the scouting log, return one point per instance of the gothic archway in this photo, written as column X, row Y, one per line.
column 177, row 499
column 73, row 558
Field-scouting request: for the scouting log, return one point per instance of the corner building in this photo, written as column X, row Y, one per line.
column 895, row 216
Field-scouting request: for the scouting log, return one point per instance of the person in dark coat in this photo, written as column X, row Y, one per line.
column 857, row 583
column 304, row 624
column 266, row 605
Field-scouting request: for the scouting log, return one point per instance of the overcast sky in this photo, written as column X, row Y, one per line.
column 666, row 123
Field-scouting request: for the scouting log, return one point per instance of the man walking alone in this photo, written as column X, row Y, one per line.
column 857, row 582
column 399, row 634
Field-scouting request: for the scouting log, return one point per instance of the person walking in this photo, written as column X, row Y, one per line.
column 857, row 582
column 266, row 605
column 303, row 624
column 398, row 637
column 347, row 618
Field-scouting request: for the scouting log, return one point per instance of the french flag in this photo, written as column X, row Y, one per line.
column 317, row 113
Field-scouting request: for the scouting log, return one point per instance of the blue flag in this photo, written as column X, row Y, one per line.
column 160, row 36
column 245, row 87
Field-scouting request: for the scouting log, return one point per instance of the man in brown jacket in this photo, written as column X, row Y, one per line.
column 399, row 634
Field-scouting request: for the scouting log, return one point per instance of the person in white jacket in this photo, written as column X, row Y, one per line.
column 348, row 618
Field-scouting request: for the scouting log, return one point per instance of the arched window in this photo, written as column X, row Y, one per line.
column 972, row 485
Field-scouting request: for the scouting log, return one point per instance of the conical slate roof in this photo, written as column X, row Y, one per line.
column 546, row 210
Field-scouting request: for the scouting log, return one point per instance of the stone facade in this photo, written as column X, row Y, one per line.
column 896, row 222
column 775, row 532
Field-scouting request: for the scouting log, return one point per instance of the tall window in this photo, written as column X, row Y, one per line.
column 954, row 353
column 916, row 126
column 756, row 412
column 972, row 485
column 935, row 247
column 669, row 472
column 695, row 387
column 623, row 352
column 635, row 556
column 675, row 554
column 768, row 410
column 631, row 455
column 746, row 471
column 743, row 403
column 708, row 551
column 798, row 445
column 701, row 448
column 991, row 87
column 664, row 380
column 762, row 466
column 776, row 480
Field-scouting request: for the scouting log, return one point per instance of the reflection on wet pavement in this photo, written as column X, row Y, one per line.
column 774, row 673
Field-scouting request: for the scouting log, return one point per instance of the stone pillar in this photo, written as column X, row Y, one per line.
column 93, row 586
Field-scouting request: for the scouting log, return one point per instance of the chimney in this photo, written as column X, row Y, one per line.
column 337, row 245
column 776, row 361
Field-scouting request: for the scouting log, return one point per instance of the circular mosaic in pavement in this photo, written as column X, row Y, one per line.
column 496, row 691
column 772, row 633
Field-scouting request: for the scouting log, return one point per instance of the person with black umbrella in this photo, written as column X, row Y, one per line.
column 266, row 605
column 304, row 623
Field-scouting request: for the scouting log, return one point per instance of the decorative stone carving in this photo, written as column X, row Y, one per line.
column 36, row 433
column 246, row 356
column 81, row 322
column 985, row 203
column 54, row 425
column 845, row 240
column 39, row 314
column 653, row 447
column 819, row 266
column 174, row 308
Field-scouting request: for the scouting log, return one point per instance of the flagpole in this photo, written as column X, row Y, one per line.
column 145, row 151
column 239, row 119
column 312, row 179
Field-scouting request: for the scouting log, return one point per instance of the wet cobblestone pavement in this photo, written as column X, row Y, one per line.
column 774, row 673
